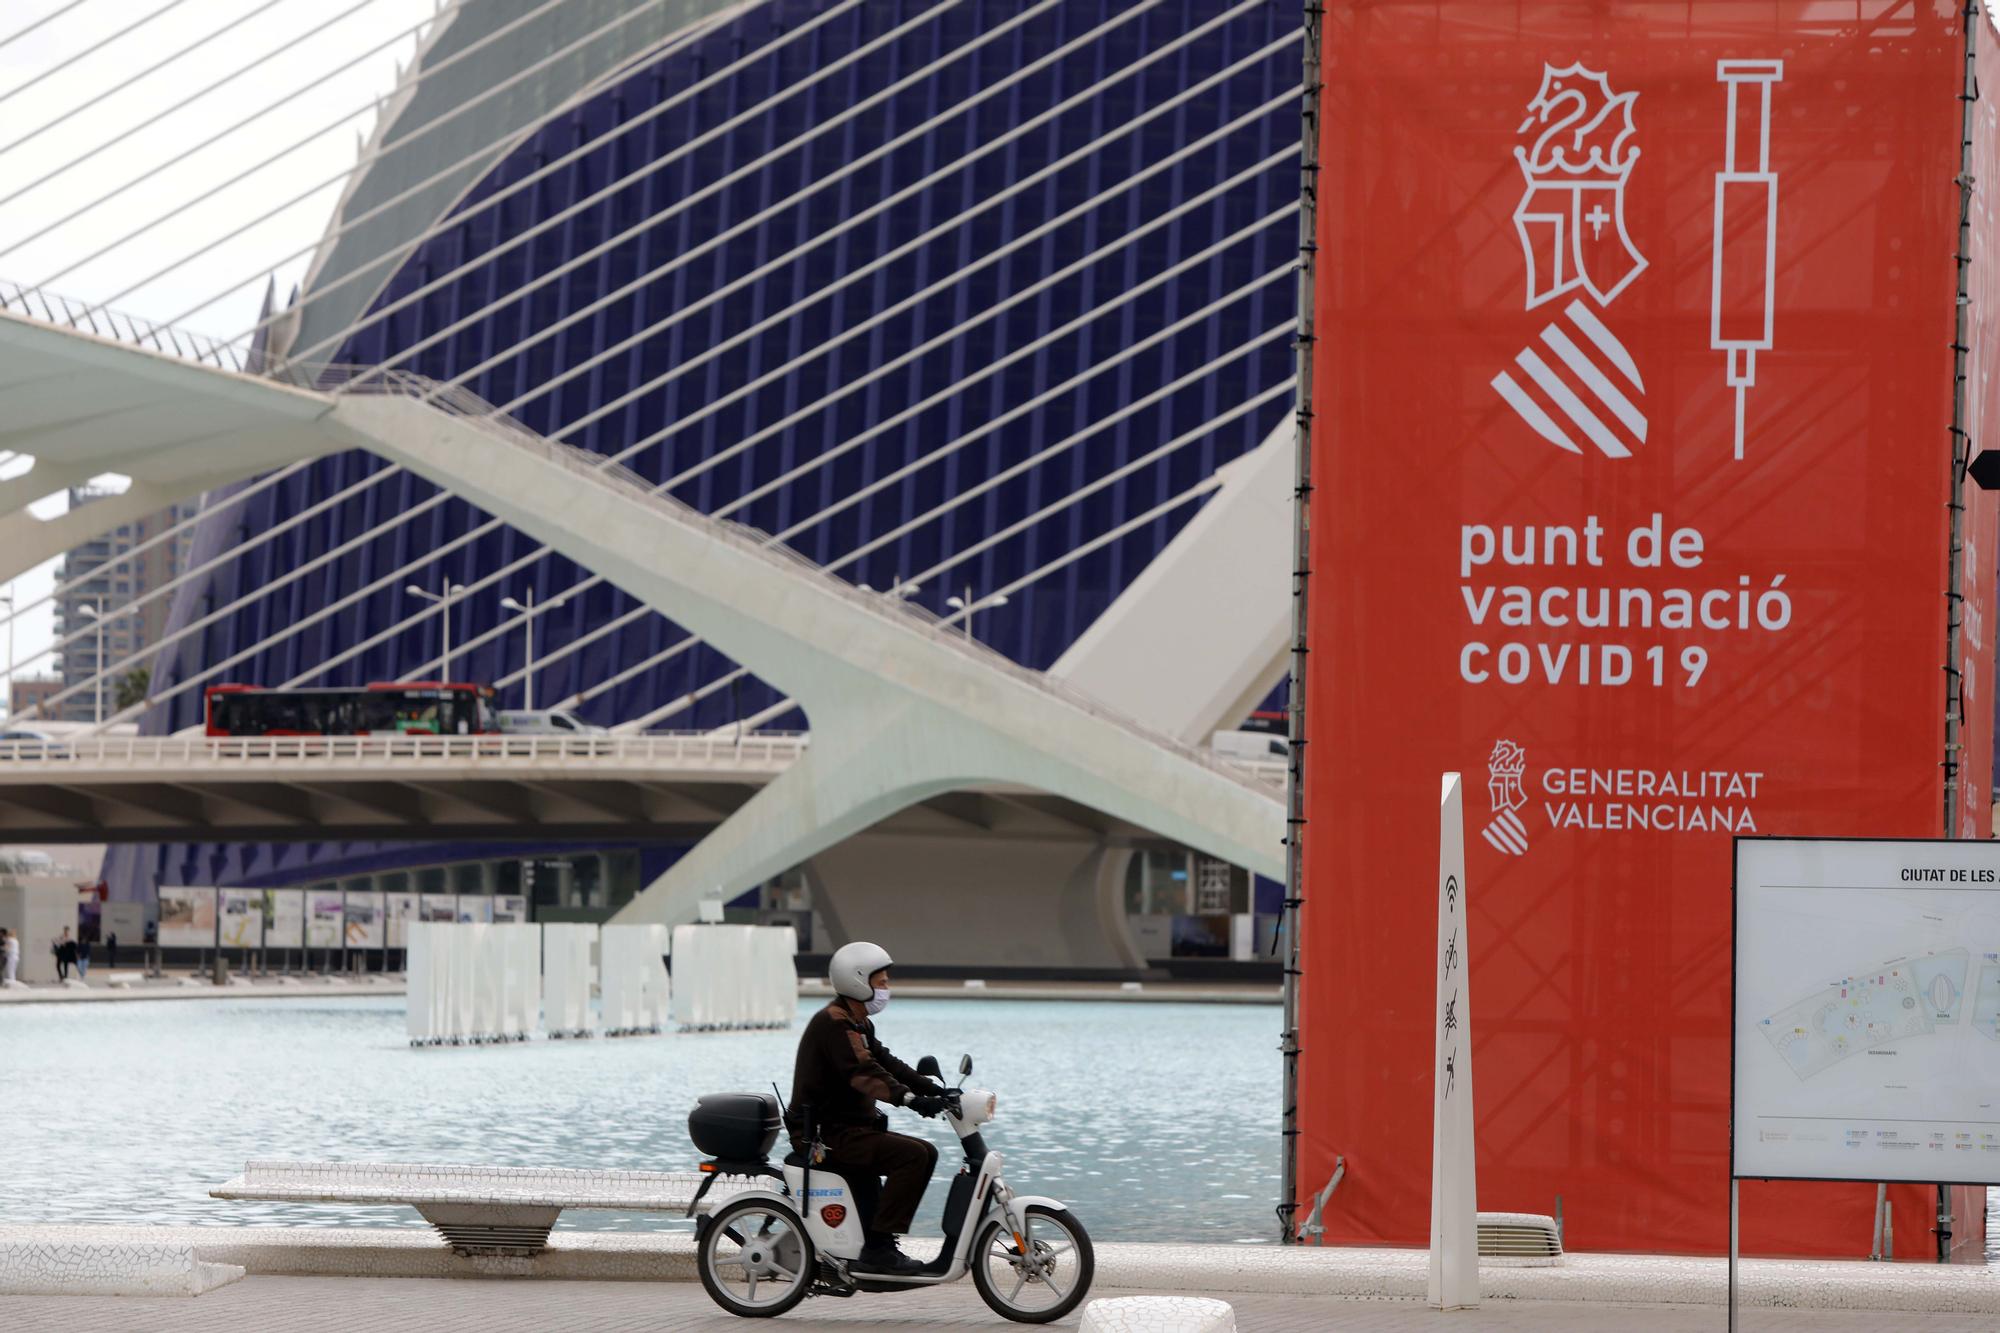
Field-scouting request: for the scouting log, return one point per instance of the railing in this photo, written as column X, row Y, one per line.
column 754, row 750
column 53, row 308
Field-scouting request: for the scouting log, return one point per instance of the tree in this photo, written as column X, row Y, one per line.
column 131, row 688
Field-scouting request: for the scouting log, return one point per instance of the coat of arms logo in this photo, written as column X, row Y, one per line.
column 1578, row 156
column 1577, row 385
column 1505, row 769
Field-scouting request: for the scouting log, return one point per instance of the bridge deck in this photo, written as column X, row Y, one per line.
column 94, row 789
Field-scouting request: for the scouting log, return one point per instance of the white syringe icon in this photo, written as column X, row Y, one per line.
column 1746, row 228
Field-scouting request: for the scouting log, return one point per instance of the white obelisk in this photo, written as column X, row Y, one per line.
column 1454, row 1275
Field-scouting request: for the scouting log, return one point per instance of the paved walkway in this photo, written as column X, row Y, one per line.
column 414, row 1305
column 106, row 986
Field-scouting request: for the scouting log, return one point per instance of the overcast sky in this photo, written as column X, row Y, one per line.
column 52, row 114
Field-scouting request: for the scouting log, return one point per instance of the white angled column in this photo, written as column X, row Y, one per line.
column 1454, row 1269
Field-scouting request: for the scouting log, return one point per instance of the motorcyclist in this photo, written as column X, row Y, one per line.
column 842, row 1071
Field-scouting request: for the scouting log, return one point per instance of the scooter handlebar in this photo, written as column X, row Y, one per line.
column 971, row 1108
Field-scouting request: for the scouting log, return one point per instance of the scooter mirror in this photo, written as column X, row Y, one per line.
column 964, row 1065
column 928, row 1066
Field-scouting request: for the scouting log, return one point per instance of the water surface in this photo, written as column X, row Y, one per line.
column 1155, row 1121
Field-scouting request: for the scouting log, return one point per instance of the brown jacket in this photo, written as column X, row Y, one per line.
column 842, row 1071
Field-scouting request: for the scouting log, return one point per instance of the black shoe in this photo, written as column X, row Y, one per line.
column 884, row 1257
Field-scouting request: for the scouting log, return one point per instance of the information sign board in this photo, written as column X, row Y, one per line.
column 1867, row 1010
column 187, row 917
column 324, row 915
column 402, row 911
column 284, row 918
column 366, row 928
column 242, row 912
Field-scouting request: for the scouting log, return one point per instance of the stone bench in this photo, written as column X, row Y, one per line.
column 478, row 1209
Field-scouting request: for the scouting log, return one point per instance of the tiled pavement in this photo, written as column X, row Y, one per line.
column 410, row 1305
column 103, row 988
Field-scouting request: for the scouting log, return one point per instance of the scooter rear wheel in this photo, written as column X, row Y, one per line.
column 755, row 1258
column 1049, row 1281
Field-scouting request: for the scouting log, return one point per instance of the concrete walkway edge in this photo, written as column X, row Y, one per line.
column 1357, row 1274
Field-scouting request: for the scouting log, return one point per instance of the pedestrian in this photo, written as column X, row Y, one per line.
column 64, row 948
column 10, row 956
column 83, row 958
column 111, row 949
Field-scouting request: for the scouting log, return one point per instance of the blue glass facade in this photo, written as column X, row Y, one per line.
column 801, row 387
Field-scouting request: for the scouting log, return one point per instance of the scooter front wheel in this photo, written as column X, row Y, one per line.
column 1044, row 1283
column 755, row 1258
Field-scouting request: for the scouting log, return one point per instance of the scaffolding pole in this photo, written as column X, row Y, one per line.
column 1295, row 787
column 1961, row 458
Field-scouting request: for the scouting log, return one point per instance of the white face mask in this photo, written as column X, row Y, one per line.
column 878, row 1002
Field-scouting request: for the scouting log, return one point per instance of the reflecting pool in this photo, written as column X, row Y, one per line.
column 1155, row 1121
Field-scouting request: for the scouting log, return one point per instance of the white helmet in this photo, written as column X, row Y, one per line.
column 851, row 967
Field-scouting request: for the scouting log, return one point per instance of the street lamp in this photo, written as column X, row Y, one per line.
column 897, row 589
column 451, row 590
column 527, row 610
column 968, row 605
column 90, row 612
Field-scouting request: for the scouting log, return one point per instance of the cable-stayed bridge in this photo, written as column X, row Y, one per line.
column 632, row 786
column 994, row 304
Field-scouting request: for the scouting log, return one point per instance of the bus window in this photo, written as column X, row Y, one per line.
column 351, row 712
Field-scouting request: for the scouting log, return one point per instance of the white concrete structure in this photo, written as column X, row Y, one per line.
column 902, row 710
column 632, row 784
column 36, row 909
column 1224, row 572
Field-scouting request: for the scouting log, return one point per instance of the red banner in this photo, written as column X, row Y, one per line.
column 1632, row 462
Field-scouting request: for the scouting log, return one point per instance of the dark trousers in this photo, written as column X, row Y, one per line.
column 863, row 1156
column 62, row 968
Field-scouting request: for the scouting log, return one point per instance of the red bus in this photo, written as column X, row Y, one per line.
column 385, row 708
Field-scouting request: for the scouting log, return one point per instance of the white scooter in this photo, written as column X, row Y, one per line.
column 760, row 1252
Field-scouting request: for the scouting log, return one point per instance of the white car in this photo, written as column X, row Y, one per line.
column 545, row 722
column 27, row 743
